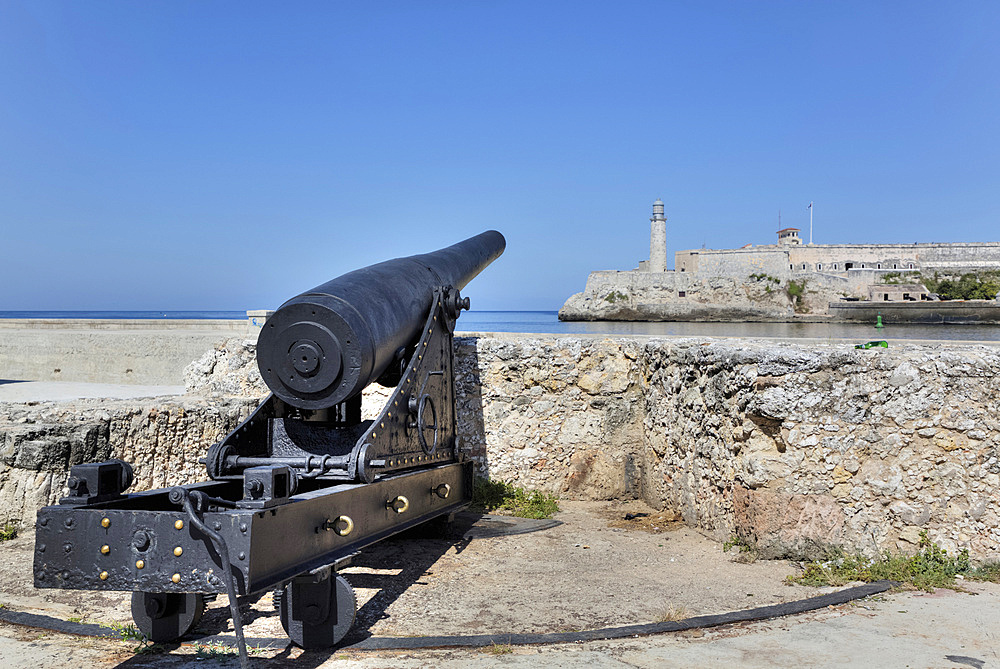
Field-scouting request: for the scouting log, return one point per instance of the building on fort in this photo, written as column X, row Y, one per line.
column 768, row 281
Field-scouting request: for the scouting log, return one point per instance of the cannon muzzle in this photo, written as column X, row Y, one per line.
column 326, row 345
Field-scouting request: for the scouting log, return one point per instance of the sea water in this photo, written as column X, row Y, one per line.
column 547, row 322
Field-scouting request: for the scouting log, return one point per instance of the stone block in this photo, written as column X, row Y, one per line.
column 784, row 525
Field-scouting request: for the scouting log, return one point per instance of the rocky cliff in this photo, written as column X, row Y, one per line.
column 673, row 296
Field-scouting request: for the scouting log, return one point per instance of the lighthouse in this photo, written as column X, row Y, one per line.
column 658, row 239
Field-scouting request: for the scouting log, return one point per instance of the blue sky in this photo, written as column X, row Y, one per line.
column 228, row 155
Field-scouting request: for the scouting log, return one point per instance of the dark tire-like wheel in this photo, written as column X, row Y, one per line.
column 312, row 631
column 166, row 616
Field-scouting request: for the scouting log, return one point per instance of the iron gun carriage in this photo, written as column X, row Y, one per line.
column 304, row 482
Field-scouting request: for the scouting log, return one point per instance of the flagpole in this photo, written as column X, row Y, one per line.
column 810, row 222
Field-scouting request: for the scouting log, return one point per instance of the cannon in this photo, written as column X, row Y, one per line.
column 304, row 483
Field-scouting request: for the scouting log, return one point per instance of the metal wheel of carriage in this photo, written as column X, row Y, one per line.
column 317, row 614
column 167, row 616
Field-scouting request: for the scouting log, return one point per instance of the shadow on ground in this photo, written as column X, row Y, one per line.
column 410, row 554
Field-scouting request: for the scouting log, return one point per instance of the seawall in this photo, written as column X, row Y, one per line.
column 140, row 352
column 796, row 447
column 952, row 311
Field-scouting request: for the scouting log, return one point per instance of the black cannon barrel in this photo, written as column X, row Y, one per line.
column 325, row 345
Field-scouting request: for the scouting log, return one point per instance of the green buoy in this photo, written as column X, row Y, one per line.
column 878, row 323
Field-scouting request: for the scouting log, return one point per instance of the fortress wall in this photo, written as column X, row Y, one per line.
column 959, row 255
column 833, row 282
column 729, row 262
column 855, row 283
column 795, row 447
column 686, row 262
column 869, row 254
column 962, row 258
column 987, row 253
column 821, row 289
column 862, row 278
column 741, row 263
column 601, row 283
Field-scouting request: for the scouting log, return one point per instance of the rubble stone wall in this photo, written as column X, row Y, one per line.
column 796, row 447
column 161, row 437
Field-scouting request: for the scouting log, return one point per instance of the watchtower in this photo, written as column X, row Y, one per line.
column 788, row 236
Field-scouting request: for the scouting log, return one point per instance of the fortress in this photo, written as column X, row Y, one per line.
column 768, row 281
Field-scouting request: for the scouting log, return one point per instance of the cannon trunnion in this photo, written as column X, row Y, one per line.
column 304, row 482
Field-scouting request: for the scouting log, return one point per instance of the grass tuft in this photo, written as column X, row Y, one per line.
column 8, row 532
column 127, row 631
column 930, row 568
column 672, row 612
column 204, row 651
column 130, row 633
column 748, row 550
column 988, row 571
column 498, row 649
column 508, row 498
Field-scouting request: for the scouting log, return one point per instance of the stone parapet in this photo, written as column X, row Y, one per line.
column 798, row 448
column 162, row 438
column 113, row 324
column 137, row 352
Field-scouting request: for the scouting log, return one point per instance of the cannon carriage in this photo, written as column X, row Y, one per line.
column 304, row 483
